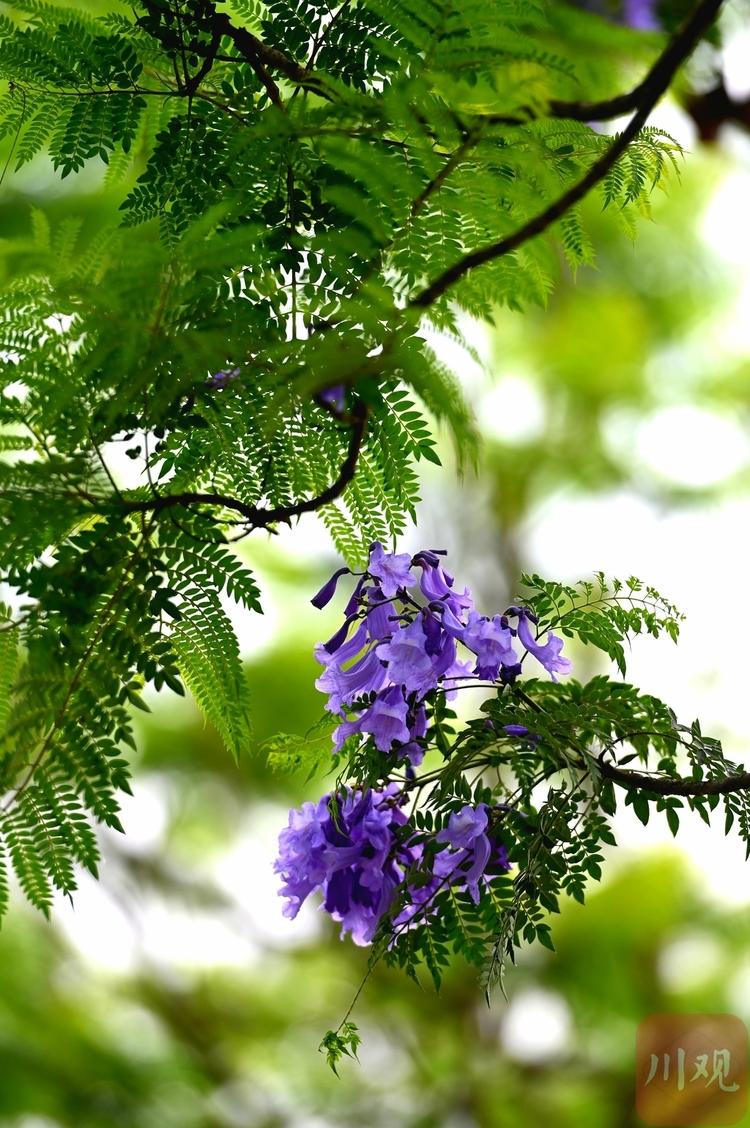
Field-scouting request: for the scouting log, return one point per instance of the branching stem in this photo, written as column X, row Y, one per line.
column 644, row 98
column 257, row 517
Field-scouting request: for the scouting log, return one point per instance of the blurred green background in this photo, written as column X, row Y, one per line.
column 173, row 994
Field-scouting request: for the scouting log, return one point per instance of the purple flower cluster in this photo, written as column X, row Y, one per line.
column 334, row 397
column 473, row 859
column 398, row 644
column 347, row 847
column 350, row 848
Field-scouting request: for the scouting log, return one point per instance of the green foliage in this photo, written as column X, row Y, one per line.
column 602, row 613
column 550, row 794
column 290, row 752
column 340, row 1043
column 290, row 179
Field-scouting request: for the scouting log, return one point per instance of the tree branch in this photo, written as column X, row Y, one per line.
column 452, row 162
column 663, row 785
column 259, row 55
column 194, row 82
column 257, row 517
column 714, row 108
column 676, row 51
column 645, row 96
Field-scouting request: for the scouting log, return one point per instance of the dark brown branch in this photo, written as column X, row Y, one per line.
column 105, row 92
column 714, row 108
column 663, row 785
column 658, row 785
column 258, row 53
column 678, row 49
column 648, row 94
column 657, row 80
column 269, row 85
column 195, row 80
column 255, row 516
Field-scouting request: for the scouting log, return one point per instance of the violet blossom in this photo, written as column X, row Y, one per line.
column 393, row 652
column 393, row 571
column 223, row 377
column 466, row 832
column 352, row 848
column 347, row 847
column 548, row 653
column 334, row 397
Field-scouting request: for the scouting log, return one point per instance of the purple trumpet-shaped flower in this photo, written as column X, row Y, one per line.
column 327, row 592
column 391, row 570
column 301, row 848
column 465, row 826
column 548, row 653
column 379, row 616
column 336, row 651
column 353, row 855
column 392, row 651
column 406, row 659
column 223, row 377
column 473, row 857
column 521, row 730
column 491, row 641
column 457, row 672
column 334, row 397
column 472, row 850
column 437, row 585
column 641, row 15
column 385, row 719
column 344, row 686
column 413, row 750
column 343, row 731
column 324, row 650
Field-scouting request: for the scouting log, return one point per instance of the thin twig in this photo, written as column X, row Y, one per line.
column 255, row 516
column 648, row 94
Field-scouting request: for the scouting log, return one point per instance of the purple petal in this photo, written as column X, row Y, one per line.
column 326, row 593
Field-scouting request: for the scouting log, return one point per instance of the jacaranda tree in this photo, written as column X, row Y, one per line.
column 305, row 190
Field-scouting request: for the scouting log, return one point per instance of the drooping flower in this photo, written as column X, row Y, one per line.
column 380, row 618
column 465, row 826
column 223, row 377
column 348, row 848
column 337, row 651
column 343, row 731
column 328, row 590
column 385, row 719
column 393, row 651
column 301, row 848
column 356, row 848
column 437, row 584
column 548, row 653
column 367, row 675
column 472, row 850
column 414, row 750
column 522, row 731
column 491, row 641
column 334, row 397
column 473, row 857
column 641, row 15
column 457, row 672
column 407, row 661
